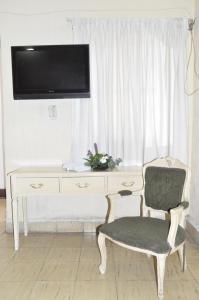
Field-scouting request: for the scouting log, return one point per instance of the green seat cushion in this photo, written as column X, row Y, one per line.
column 142, row 232
column 164, row 187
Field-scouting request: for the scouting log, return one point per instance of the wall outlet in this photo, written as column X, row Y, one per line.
column 52, row 112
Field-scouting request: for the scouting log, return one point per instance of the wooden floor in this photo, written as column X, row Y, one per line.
column 65, row 267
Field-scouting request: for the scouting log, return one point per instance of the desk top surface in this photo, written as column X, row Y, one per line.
column 59, row 171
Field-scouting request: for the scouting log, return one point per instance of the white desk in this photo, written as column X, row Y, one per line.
column 26, row 182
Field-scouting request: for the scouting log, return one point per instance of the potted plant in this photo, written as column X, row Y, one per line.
column 101, row 161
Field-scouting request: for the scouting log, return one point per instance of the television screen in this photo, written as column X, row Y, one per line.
column 50, row 72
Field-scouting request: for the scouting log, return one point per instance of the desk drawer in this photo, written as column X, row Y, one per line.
column 37, row 185
column 117, row 183
column 83, row 185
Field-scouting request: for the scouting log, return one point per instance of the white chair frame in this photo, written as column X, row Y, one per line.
column 177, row 217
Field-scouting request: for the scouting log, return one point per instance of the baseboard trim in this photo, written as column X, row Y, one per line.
column 192, row 233
column 2, row 193
column 85, row 226
column 58, row 226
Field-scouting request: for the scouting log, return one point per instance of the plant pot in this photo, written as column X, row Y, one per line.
column 101, row 167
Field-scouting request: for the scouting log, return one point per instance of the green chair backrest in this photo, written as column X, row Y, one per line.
column 164, row 187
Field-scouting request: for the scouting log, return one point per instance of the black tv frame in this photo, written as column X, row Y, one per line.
column 50, row 94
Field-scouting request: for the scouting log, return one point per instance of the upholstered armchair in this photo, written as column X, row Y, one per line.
column 165, row 190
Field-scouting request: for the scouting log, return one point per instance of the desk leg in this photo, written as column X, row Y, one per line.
column 15, row 222
column 25, row 223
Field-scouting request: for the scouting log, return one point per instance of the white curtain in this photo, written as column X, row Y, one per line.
column 138, row 108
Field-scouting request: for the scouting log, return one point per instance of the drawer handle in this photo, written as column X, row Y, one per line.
column 127, row 184
column 82, row 185
column 36, row 186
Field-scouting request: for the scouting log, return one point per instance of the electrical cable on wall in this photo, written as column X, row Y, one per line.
column 192, row 50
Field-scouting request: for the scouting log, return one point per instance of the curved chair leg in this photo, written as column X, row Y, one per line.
column 182, row 257
column 102, row 248
column 161, row 259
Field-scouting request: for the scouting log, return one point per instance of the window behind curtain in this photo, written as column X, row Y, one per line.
column 138, row 108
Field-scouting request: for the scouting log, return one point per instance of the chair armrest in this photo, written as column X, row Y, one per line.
column 134, row 193
column 125, row 193
column 177, row 218
column 138, row 192
column 185, row 204
column 111, row 199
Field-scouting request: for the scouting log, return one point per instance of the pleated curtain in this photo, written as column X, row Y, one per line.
column 138, row 109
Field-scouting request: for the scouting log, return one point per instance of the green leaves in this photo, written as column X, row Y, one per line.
column 101, row 160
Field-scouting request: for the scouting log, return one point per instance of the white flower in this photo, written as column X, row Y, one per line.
column 103, row 160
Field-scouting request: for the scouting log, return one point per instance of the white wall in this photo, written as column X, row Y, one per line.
column 31, row 138
column 194, row 210
column 150, row 6
column 2, row 173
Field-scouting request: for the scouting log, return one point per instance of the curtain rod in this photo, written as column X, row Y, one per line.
column 191, row 22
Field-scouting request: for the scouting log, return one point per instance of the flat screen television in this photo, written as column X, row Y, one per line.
column 50, row 72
